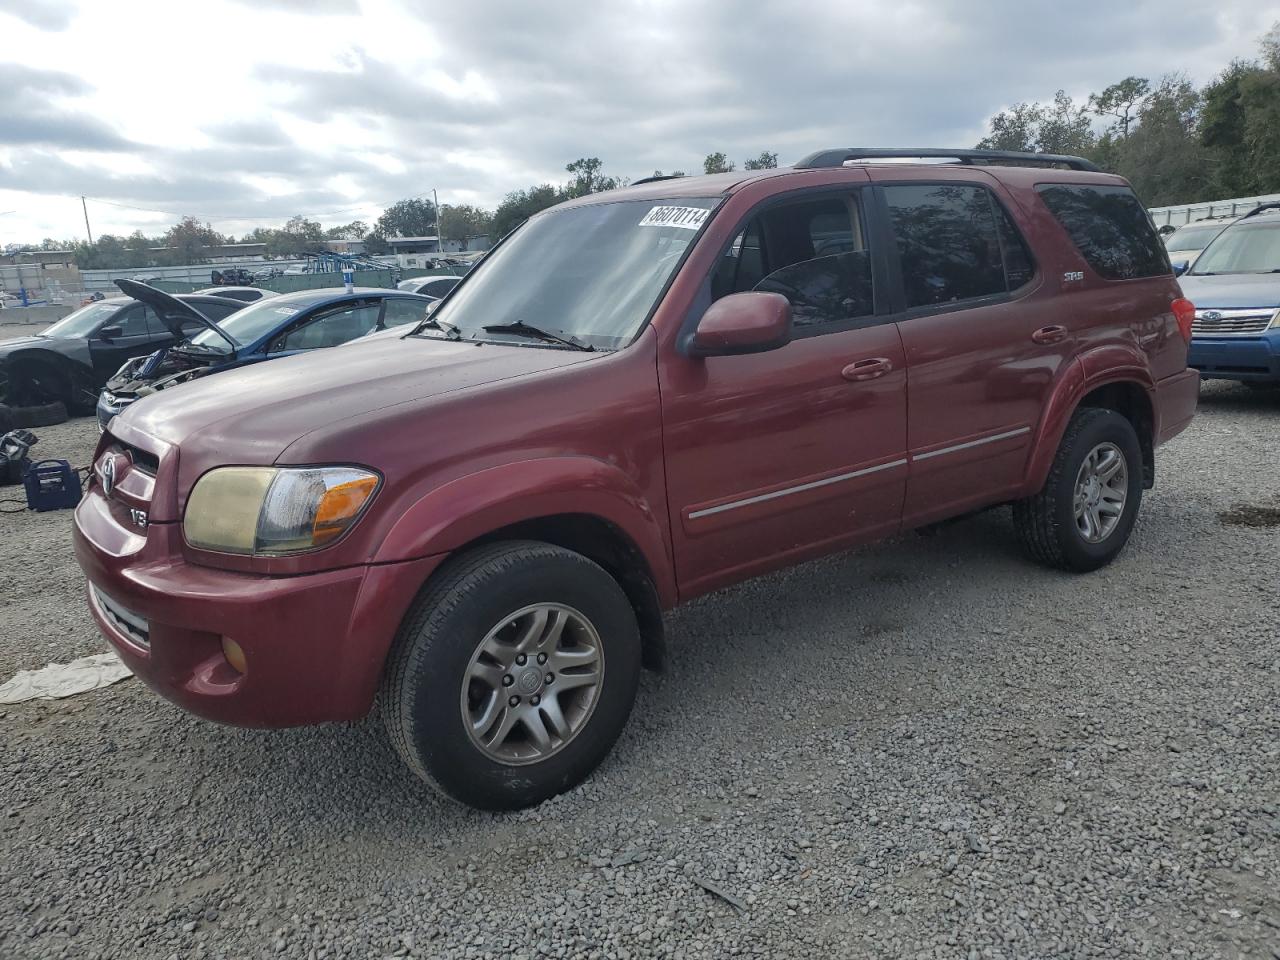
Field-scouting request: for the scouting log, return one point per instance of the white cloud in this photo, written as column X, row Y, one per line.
column 238, row 110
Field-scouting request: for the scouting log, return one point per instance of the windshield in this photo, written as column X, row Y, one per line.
column 247, row 325
column 1192, row 238
column 1243, row 248
column 83, row 322
column 592, row 272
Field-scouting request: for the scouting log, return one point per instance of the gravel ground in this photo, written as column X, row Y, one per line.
column 928, row 748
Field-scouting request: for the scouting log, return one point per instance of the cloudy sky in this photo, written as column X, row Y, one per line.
column 244, row 112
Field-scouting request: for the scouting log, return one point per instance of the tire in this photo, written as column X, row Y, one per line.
column 40, row 415
column 6, row 419
column 1261, row 386
column 1047, row 523
column 480, row 599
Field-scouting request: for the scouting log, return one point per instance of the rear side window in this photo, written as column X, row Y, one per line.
column 218, row 311
column 955, row 242
column 1110, row 228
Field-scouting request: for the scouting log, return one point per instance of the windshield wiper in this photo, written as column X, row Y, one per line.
column 189, row 347
column 528, row 330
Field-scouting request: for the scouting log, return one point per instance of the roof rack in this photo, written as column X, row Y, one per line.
column 838, row 157
column 1261, row 208
column 663, row 176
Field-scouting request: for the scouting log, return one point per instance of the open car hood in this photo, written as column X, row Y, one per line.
column 173, row 313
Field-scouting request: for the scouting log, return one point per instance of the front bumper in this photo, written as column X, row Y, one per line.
column 1236, row 358
column 314, row 644
column 108, row 406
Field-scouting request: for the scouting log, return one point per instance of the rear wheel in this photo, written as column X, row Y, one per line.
column 1081, row 519
column 513, row 675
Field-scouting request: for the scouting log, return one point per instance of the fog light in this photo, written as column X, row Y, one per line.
column 235, row 656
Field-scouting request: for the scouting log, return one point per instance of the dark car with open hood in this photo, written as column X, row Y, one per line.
column 70, row 361
column 273, row 327
column 637, row 397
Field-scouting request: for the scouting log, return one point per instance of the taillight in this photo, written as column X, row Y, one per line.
column 1185, row 313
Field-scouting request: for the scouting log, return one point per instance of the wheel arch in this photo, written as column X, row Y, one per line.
column 1109, row 379
column 578, row 503
column 71, row 371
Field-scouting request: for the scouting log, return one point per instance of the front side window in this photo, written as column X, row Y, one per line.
column 330, row 329
column 1249, row 247
column 590, row 272
column 812, row 251
column 133, row 322
column 1110, row 228
column 400, row 311
column 954, row 243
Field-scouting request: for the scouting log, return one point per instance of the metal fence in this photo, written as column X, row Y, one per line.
column 1177, row 216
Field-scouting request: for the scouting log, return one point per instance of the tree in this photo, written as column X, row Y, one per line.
column 1014, row 129
column 586, row 177
column 355, row 230
column 717, row 163
column 1121, row 100
column 1163, row 156
column 413, row 217
column 673, row 173
column 766, row 161
column 463, row 222
column 1056, row 127
column 188, row 239
column 520, row 205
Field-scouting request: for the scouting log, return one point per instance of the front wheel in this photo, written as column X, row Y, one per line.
column 513, row 675
column 1081, row 519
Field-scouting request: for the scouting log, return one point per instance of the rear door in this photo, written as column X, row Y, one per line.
column 774, row 456
column 981, row 356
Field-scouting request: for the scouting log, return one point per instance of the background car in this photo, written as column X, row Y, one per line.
column 429, row 286
column 244, row 294
column 1235, row 285
column 276, row 327
column 70, row 361
column 1185, row 243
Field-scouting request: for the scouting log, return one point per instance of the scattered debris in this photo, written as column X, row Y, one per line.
column 719, row 891
column 59, row 680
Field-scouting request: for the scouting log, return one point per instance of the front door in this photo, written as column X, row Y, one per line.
column 134, row 339
column 776, row 456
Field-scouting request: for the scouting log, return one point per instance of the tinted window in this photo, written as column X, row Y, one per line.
column 133, row 322
column 1110, row 228
column 84, row 321
column 218, row 311
column 812, row 252
column 439, row 287
column 331, row 329
column 949, row 243
column 400, row 311
column 1019, row 268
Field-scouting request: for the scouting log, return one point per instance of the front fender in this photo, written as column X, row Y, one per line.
column 475, row 505
column 1113, row 363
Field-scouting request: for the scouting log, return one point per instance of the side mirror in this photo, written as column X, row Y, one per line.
column 751, row 322
column 431, row 307
column 1180, row 267
column 110, row 333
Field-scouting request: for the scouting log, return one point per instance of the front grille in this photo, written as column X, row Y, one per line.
column 1218, row 323
column 132, row 625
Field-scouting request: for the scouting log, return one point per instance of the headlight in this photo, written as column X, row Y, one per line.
column 1275, row 321
column 270, row 511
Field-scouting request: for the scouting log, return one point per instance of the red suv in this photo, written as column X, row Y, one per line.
column 639, row 396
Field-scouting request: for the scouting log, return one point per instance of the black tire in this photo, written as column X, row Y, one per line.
column 1046, row 522
column 6, row 419
column 422, row 684
column 41, row 415
column 1261, row 386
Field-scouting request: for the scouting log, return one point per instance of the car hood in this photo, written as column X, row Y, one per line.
column 251, row 414
column 77, row 348
column 1231, row 291
column 172, row 311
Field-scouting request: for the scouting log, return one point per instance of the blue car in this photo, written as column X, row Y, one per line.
column 273, row 327
column 1235, row 285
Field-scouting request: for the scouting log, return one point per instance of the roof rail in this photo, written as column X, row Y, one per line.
column 838, row 157
column 1262, row 207
column 655, row 179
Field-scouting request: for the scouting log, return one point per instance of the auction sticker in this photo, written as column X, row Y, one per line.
column 687, row 218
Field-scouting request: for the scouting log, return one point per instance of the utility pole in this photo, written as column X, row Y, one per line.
column 85, row 207
column 439, row 237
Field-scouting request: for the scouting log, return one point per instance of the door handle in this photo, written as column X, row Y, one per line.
column 1051, row 334
column 867, row 369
